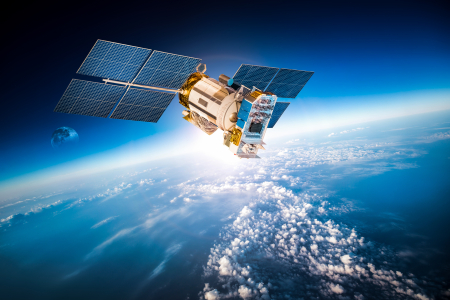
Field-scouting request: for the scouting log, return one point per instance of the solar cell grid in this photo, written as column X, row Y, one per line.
column 288, row 83
column 279, row 108
column 89, row 98
column 258, row 76
column 114, row 61
column 142, row 105
column 278, row 111
column 166, row 70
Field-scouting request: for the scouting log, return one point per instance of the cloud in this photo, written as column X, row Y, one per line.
column 292, row 141
column 99, row 249
column 347, row 131
column 289, row 243
column 168, row 254
column 74, row 273
column 146, row 182
column 292, row 236
column 188, row 200
column 245, row 292
column 210, row 294
column 246, row 212
column 438, row 136
column 352, row 130
column 7, row 219
column 337, row 289
column 346, row 259
column 149, row 223
column 157, row 270
column 105, row 195
column 103, row 222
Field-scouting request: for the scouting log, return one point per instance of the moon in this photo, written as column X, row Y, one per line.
column 64, row 137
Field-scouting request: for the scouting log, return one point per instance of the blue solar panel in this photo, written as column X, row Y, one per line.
column 278, row 111
column 244, row 111
column 240, row 123
column 167, row 70
column 114, row 61
column 288, row 83
column 142, row 105
column 250, row 76
column 89, row 98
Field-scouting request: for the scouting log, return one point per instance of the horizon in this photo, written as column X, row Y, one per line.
column 63, row 173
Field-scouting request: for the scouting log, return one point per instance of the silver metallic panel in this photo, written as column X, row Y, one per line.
column 114, row 61
column 288, row 83
column 89, row 98
column 250, row 75
column 167, row 70
column 142, row 105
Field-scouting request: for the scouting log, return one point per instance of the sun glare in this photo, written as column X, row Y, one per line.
column 212, row 145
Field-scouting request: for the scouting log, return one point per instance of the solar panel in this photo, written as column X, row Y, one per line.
column 114, row 61
column 89, row 98
column 244, row 111
column 142, row 105
column 250, row 75
column 288, row 83
column 166, row 70
column 278, row 111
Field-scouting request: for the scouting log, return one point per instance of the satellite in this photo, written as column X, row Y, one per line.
column 139, row 85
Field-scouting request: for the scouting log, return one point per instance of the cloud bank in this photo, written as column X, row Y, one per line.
column 285, row 245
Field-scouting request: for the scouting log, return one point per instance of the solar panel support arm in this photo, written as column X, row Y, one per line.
column 140, row 85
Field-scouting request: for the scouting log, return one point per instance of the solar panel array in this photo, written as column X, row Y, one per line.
column 167, row 70
column 114, row 61
column 250, row 76
column 142, row 105
column 127, row 64
column 278, row 110
column 288, row 83
column 89, row 98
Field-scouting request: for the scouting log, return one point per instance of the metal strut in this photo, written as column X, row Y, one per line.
column 141, row 85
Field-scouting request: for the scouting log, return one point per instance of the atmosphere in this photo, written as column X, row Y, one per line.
column 302, row 220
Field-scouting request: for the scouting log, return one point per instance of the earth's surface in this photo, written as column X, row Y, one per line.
column 63, row 137
column 356, row 213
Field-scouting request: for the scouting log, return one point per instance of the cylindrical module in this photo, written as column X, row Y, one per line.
column 213, row 101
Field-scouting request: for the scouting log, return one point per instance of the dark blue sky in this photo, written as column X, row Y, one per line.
column 358, row 50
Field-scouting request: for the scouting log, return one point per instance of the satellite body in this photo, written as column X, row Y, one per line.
column 139, row 85
column 242, row 115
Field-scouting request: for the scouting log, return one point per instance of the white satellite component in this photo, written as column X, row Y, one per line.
column 139, row 85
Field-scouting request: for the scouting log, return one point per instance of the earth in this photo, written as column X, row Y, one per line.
column 355, row 213
column 63, row 137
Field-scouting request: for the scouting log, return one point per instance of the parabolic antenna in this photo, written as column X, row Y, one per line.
column 139, row 85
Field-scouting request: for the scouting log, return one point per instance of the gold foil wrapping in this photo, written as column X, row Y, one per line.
column 186, row 88
column 236, row 136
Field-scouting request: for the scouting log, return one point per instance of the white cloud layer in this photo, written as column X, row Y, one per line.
column 347, row 131
column 285, row 245
column 103, row 222
column 168, row 254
